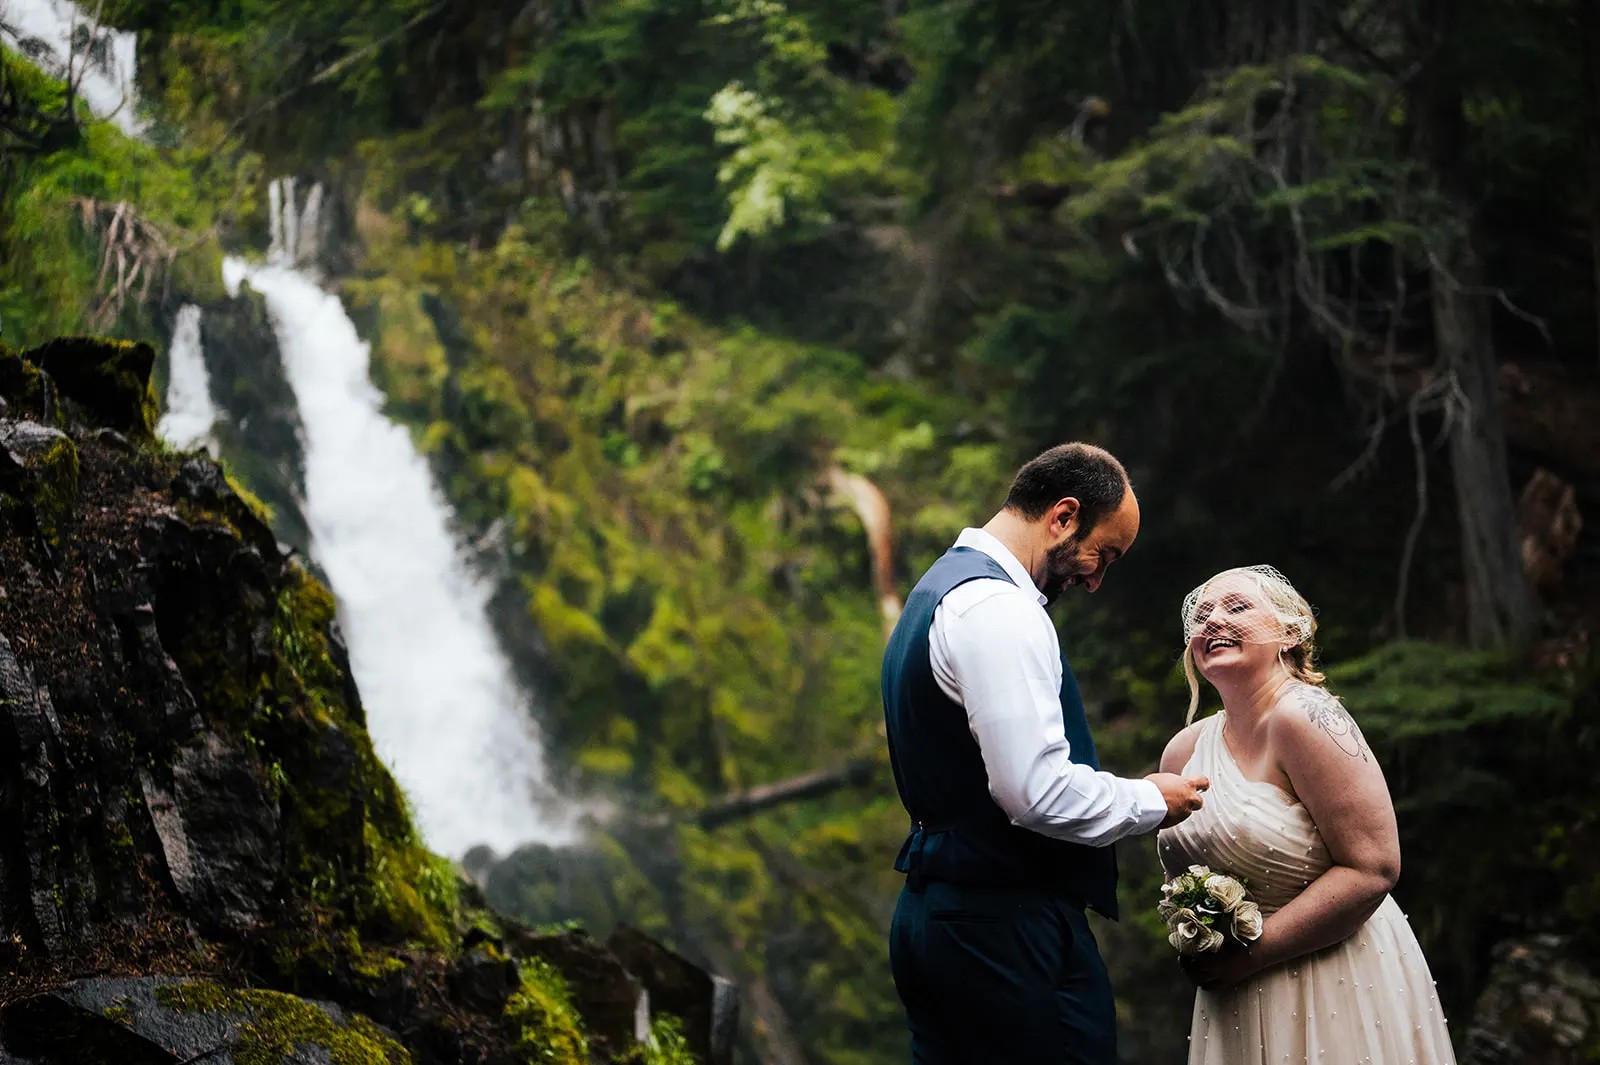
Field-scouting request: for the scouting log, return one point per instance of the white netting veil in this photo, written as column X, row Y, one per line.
column 1248, row 604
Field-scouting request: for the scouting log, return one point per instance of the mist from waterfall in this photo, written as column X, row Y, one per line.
column 191, row 413
column 61, row 39
column 443, row 707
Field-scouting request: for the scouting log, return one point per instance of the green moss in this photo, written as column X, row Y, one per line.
column 121, row 837
column 49, row 494
column 376, row 965
column 118, row 1012
column 110, row 379
column 252, row 502
column 397, row 890
column 666, row 1045
column 21, row 383
column 409, row 891
column 55, row 494
column 305, row 609
column 277, row 1024
column 548, row 1028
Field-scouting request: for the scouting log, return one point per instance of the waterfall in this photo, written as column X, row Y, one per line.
column 190, row 412
column 442, row 705
column 102, row 63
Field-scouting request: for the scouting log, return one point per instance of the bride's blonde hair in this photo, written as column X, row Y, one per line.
column 1299, row 624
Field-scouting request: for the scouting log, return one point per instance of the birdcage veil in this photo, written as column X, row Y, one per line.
column 1250, row 604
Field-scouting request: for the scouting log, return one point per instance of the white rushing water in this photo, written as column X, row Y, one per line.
column 100, row 62
column 190, row 413
column 443, row 707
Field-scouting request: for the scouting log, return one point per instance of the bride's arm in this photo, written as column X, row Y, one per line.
column 1180, row 749
column 1337, row 778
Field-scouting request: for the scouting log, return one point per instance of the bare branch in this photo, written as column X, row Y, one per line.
column 741, row 804
column 872, row 507
column 338, row 66
column 134, row 254
column 1414, row 531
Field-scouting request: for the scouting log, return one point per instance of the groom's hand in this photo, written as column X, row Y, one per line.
column 1182, row 794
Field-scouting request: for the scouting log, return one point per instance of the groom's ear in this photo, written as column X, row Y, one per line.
column 1063, row 518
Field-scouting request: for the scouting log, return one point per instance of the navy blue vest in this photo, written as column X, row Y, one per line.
column 958, row 833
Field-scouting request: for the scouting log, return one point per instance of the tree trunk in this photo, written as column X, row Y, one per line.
column 1500, row 607
column 813, row 785
column 738, row 805
column 1589, row 25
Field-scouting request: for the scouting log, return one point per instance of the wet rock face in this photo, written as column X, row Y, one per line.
column 119, row 802
column 200, row 856
column 707, row 1004
column 39, row 466
column 262, row 437
column 220, row 833
column 610, row 998
column 1541, row 1007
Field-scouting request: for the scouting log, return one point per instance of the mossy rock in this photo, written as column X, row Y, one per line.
column 546, row 1025
column 108, row 379
column 160, row 1019
column 280, row 1029
column 23, row 387
column 48, row 481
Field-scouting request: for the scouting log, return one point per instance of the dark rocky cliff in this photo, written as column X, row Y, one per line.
column 200, row 856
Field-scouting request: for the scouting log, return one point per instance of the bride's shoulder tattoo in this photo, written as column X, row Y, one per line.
column 1329, row 714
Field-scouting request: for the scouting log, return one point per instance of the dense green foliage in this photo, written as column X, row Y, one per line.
column 642, row 273
column 58, row 200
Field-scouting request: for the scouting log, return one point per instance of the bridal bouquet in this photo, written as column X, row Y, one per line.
column 1203, row 910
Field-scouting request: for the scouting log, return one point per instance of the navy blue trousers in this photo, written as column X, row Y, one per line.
column 997, row 976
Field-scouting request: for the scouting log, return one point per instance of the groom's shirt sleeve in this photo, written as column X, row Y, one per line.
column 995, row 652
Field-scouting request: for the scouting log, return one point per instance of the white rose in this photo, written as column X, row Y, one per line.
column 1166, row 908
column 1201, row 871
column 1184, row 936
column 1210, row 939
column 1247, row 921
column 1226, row 890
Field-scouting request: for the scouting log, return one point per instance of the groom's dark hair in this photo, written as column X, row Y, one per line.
column 1089, row 474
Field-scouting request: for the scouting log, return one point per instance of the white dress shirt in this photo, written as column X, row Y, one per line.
column 995, row 652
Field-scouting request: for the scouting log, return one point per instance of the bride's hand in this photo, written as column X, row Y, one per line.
column 1222, row 970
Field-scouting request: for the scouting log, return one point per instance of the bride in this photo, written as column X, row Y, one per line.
column 1298, row 805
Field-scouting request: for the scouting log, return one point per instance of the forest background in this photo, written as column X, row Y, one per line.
column 718, row 319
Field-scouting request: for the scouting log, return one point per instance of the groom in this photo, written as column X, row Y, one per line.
column 1011, row 818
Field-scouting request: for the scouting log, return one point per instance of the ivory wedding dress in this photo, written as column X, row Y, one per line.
column 1369, row 999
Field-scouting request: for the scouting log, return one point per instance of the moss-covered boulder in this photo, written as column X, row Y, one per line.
column 108, row 380
column 38, row 476
column 28, row 393
column 169, row 1020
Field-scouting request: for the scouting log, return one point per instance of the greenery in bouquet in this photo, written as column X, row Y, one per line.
column 1203, row 910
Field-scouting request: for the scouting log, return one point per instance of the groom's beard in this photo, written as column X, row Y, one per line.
column 1060, row 565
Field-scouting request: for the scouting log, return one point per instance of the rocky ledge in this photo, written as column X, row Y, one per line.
column 201, row 859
